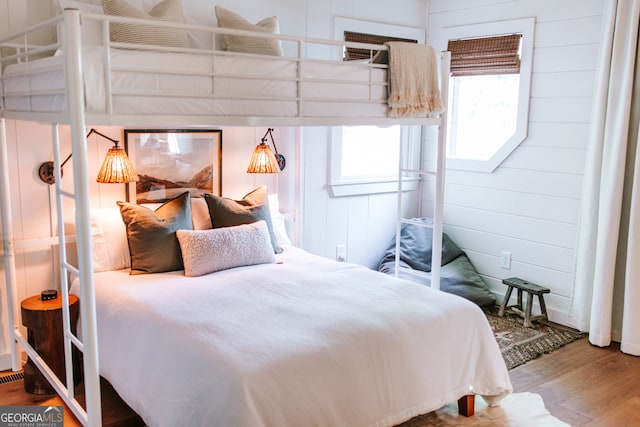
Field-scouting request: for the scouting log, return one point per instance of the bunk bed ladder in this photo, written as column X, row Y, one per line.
column 75, row 98
column 66, row 392
column 88, row 346
column 422, row 172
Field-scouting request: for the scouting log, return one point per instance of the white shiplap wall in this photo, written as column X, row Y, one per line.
column 365, row 223
column 529, row 205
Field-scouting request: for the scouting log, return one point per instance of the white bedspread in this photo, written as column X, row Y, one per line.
column 305, row 342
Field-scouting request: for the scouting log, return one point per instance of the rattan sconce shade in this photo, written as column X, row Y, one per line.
column 263, row 160
column 116, row 168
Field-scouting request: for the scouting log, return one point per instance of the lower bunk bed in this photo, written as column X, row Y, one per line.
column 303, row 340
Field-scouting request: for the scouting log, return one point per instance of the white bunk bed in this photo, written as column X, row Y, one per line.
column 90, row 85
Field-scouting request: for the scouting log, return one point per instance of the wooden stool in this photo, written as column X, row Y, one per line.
column 531, row 289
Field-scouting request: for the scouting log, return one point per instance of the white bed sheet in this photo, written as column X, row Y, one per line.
column 146, row 82
column 304, row 342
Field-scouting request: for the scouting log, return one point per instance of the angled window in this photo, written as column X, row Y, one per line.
column 488, row 92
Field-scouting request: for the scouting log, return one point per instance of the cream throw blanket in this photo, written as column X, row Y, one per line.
column 413, row 80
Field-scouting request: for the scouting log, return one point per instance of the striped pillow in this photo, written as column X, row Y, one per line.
column 166, row 10
column 228, row 19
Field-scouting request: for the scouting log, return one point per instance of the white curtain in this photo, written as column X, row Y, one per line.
column 607, row 282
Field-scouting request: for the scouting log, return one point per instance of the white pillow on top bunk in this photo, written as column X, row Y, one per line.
column 265, row 46
column 166, row 10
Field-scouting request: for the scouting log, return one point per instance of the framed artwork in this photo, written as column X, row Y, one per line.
column 171, row 161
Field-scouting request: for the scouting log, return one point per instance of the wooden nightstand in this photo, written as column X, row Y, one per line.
column 43, row 320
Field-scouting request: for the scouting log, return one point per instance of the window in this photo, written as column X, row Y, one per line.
column 369, row 152
column 365, row 159
column 488, row 92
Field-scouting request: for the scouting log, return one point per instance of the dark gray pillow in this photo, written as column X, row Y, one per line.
column 225, row 212
column 153, row 243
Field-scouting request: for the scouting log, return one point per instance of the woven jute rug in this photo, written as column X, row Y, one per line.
column 520, row 345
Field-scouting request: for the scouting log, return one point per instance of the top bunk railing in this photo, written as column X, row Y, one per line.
column 308, row 85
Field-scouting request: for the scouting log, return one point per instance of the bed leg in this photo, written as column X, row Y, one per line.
column 466, row 405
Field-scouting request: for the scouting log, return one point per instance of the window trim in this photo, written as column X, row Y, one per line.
column 526, row 27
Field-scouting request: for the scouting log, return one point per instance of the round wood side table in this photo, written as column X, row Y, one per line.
column 43, row 320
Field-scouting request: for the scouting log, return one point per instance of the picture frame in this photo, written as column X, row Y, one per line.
column 171, row 161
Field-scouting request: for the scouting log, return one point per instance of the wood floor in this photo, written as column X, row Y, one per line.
column 584, row 385
column 115, row 413
column 581, row 384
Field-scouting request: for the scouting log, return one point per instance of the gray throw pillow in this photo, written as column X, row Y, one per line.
column 225, row 212
column 151, row 234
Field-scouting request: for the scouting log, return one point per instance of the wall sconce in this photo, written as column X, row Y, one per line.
column 264, row 160
column 116, row 167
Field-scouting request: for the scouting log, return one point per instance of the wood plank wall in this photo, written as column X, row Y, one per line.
column 529, row 205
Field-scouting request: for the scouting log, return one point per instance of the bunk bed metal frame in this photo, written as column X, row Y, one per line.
column 76, row 116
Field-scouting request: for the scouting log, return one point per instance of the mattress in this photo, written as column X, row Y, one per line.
column 304, row 341
column 162, row 83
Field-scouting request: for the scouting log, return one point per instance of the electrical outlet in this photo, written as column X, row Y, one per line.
column 341, row 253
column 505, row 260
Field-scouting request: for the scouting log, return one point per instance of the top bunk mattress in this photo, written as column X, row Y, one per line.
column 125, row 82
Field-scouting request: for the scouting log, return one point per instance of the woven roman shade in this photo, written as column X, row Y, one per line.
column 485, row 55
column 355, row 54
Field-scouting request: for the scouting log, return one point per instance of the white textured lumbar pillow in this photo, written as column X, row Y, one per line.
column 207, row 251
